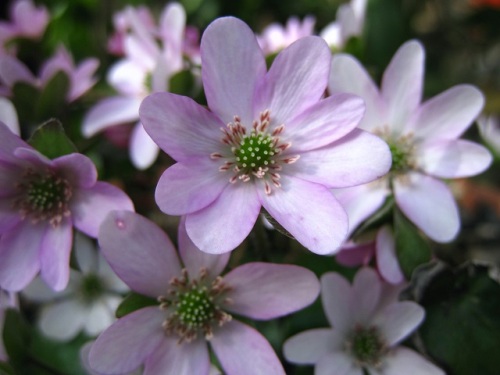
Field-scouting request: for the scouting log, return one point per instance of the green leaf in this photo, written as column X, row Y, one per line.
column 24, row 98
column 412, row 248
column 16, row 337
column 5, row 369
column 52, row 100
column 134, row 301
column 181, row 83
column 462, row 326
column 51, row 140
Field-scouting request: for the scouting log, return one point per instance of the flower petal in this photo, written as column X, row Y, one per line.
column 406, row 361
column 13, row 71
column 90, row 206
column 180, row 126
column 355, row 159
column 194, row 259
column 397, row 320
column 8, row 143
column 241, row 350
column 265, row 291
column 99, row 317
column 310, row 213
column 453, row 159
column 429, row 204
column 109, row 112
column 309, row 346
column 128, row 342
column 143, row 150
column 366, row 289
column 186, row 188
column 233, row 64
column 78, row 169
column 337, row 301
column 402, row 83
column 170, row 358
column 447, row 115
column 230, row 218
column 338, row 363
column 128, row 78
column 63, row 320
column 9, row 216
column 349, row 76
column 139, row 252
column 54, row 255
column 296, row 81
column 325, row 122
column 19, row 255
column 8, row 115
column 353, row 255
column 387, row 260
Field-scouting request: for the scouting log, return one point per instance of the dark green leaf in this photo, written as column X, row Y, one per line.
column 412, row 248
column 5, row 369
column 182, row 83
column 133, row 302
column 52, row 101
column 24, row 98
column 16, row 337
column 51, row 140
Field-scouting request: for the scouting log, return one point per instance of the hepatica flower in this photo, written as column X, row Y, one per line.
column 267, row 140
column 368, row 324
column 40, row 202
column 196, row 304
column 423, row 139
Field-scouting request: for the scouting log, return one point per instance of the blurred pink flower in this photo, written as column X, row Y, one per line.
column 40, row 202
column 195, row 304
column 276, row 37
column 349, row 22
column 368, row 323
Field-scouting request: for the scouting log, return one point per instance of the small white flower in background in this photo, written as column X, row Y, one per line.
column 87, row 304
column 349, row 22
column 276, row 37
column 489, row 129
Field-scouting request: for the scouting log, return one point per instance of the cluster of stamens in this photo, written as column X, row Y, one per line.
column 402, row 150
column 366, row 346
column 256, row 153
column 43, row 196
column 194, row 306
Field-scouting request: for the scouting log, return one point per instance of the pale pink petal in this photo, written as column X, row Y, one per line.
column 89, row 207
column 8, row 143
column 309, row 212
column 54, row 254
column 296, row 81
column 82, row 78
column 265, row 291
column 387, row 260
column 447, row 115
column 336, row 296
column 338, row 363
column 180, row 126
column 9, row 216
column 349, row 76
column 128, row 78
column 241, row 350
column 172, row 24
column 453, row 159
column 19, row 255
column 186, row 188
column 233, row 64
column 194, row 259
column 406, row 361
column 98, row 318
column 397, row 320
column 401, row 86
column 13, row 71
column 109, row 112
column 78, row 169
column 143, row 150
column 29, row 20
column 8, row 115
column 128, row 342
column 139, row 252
column 366, row 289
column 63, row 320
column 308, row 347
column 230, row 218
column 355, row 159
column 170, row 358
column 325, row 122
column 429, row 204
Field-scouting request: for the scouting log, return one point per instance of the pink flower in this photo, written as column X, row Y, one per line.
column 8, row 115
column 269, row 140
column 423, row 138
column 195, row 304
column 368, row 324
column 350, row 21
column 146, row 68
column 275, row 37
column 40, row 202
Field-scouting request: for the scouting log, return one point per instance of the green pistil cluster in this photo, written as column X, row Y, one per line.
column 195, row 308
column 400, row 157
column 366, row 346
column 256, row 151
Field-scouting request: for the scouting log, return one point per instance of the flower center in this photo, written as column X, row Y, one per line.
column 255, row 154
column 44, row 197
column 193, row 306
column 366, row 346
column 402, row 150
column 91, row 287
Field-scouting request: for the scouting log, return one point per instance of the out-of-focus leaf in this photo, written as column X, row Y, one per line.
column 5, row 369
column 133, row 302
column 24, row 98
column 16, row 337
column 52, row 100
column 182, row 83
column 412, row 248
column 51, row 140
column 462, row 326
